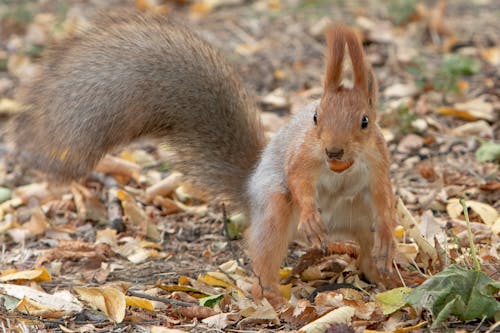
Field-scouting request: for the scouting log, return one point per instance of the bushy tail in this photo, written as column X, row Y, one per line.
column 132, row 76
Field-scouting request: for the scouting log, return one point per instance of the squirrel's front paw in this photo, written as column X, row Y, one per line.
column 313, row 228
column 383, row 255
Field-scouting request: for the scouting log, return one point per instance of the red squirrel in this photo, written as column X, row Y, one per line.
column 132, row 75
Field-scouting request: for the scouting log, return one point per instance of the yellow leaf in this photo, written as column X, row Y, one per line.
column 285, row 290
column 38, row 275
column 111, row 301
column 285, row 273
column 399, row 232
column 192, row 291
column 278, row 74
column 139, row 303
column 148, row 244
column 183, row 280
column 214, row 281
column 473, row 109
column 392, row 300
column 447, row 111
column 34, row 308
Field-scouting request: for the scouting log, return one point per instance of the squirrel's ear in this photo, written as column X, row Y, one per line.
column 335, row 41
column 372, row 88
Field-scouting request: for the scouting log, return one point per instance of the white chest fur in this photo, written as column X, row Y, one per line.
column 345, row 200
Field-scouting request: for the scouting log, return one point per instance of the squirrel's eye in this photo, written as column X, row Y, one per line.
column 364, row 122
column 315, row 118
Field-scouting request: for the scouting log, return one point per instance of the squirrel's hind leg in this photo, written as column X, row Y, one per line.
column 270, row 233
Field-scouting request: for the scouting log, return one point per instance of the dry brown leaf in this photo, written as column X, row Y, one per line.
column 426, row 170
column 222, row 320
column 75, row 250
column 475, row 109
column 478, row 128
column 119, row 166
column 491, row 55
column 133, row 250
column 410, row 225
column 300, row 314
column 341, row 315
column 59, row 301
column 199, row 312
column 38, row 223
column 406, row 253
column 164, row 187
column 40, row 191
column 111, row 301
column 487, row 213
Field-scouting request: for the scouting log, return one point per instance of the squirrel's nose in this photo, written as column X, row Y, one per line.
column 334, row 153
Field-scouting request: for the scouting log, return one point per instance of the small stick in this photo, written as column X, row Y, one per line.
column 226, row 231
column 477, row 265
column 159, row 299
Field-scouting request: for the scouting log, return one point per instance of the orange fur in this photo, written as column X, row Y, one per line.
column 337, row 173
column 335, row 41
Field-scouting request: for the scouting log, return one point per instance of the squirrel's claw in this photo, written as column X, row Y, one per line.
column 314, row 229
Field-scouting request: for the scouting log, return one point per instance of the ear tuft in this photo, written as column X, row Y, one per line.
column 335, row 41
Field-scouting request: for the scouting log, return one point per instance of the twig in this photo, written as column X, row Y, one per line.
column 477, row 265
column 226, row 274
column 399, row 273
column 159, row 299
column 493, row 327
column 226, row 231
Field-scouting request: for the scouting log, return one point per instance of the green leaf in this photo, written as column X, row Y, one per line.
column 392, row 300
column 210, row 301
column 467, row 294
column 5, row 194
column 460, row 65
column 489, row 151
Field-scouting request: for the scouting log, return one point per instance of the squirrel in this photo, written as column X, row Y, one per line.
column 324, row 174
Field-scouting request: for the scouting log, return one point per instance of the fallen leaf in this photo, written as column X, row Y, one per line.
column 37, row 275
column 467, row 294
column 410, row 225
column 139, row 302
column 211, row 300
column 163, row 188
column 109, row 300
column 392, row 300
column 341, row 315
column 199, row 312
column 474, row 109
column 478, row 128
column 492, row 55
column 119, row 166
column 62, row 300
column 489, row 151
column 222, row 320
column 400, row 90
column 487, row 213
